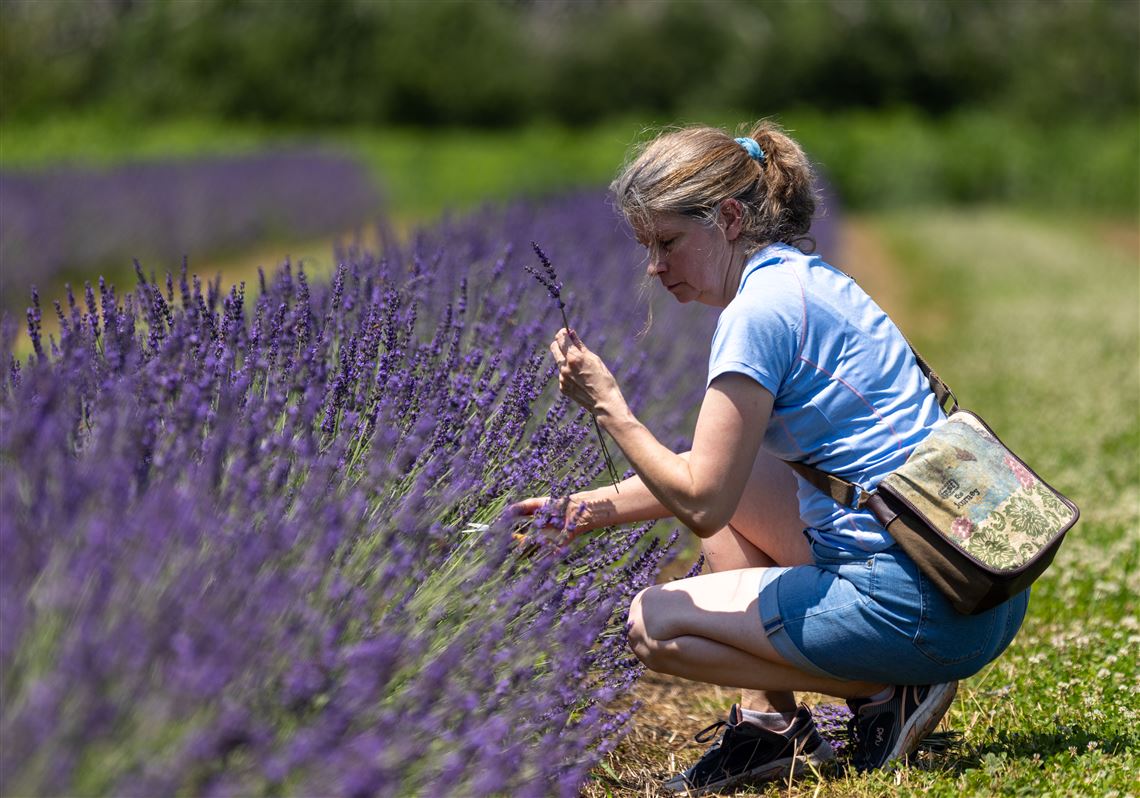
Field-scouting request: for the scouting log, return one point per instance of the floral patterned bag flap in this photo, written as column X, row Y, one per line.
column 976, row 520
column 969, row 488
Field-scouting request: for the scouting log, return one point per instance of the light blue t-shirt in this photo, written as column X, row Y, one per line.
column 850, row 398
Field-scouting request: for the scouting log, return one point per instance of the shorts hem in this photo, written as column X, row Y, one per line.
column 773, row 622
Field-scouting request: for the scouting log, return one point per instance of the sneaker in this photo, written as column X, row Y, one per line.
column 891, row 728
column 748, row 752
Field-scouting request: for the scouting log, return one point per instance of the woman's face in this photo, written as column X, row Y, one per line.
column 693, row 260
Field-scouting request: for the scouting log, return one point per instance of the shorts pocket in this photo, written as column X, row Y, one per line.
column 947, row 636
column 858, row 571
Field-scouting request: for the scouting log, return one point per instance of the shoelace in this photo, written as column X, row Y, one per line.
column 707, row 733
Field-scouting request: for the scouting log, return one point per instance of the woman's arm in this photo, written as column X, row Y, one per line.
column 703, row 490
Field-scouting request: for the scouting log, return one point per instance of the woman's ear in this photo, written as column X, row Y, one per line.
column 731, row 218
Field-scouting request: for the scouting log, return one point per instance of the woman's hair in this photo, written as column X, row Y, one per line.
column 692, row 170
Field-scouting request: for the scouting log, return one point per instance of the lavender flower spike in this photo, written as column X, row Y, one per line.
column 549, row 280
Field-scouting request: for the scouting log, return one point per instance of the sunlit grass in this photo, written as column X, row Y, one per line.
column 1041, row 337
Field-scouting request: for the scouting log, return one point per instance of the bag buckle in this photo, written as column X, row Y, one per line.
column 942, row 392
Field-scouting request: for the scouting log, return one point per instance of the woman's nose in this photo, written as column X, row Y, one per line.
column 655, row 266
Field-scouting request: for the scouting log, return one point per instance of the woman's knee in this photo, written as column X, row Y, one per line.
column 640, row 627
column 635, row 627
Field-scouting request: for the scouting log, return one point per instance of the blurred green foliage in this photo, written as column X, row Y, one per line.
column 895, row 159
column 498, row 63
column 452, row 103
column 875, row 159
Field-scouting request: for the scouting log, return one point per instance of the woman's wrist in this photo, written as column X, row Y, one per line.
column 586, row 512
column 613, row 416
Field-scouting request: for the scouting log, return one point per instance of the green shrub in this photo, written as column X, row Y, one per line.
column 874, row 160
column 501, row 62
column 900, row 158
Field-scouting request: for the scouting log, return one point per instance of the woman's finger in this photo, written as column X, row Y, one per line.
column 567, row 344
column 564, row 340
column 526, row 506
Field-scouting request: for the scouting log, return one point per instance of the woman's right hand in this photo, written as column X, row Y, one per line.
column 592, row 509
column 567, row 515
column 584, row 377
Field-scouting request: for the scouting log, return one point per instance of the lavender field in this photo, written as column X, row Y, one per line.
column 254, row 540
column 255, row 537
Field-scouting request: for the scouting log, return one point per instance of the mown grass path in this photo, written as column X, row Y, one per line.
column 1033, row 321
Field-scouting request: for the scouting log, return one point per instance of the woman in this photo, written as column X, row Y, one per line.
column 805, row 594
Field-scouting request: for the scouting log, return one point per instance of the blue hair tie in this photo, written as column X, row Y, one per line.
column 752, row 148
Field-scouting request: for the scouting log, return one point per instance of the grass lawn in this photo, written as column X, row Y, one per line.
column 1033, row 320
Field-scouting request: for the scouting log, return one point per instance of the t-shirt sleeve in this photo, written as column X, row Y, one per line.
column 758, row 334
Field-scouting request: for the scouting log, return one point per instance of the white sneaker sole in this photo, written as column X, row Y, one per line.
column 920, row 724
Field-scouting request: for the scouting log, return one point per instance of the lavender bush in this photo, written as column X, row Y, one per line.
column 71, row 221
column 256, row 545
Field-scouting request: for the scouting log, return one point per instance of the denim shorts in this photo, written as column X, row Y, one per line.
column 875, row 617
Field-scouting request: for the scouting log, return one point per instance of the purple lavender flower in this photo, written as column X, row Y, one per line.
column 832, row 721
column 549, row 280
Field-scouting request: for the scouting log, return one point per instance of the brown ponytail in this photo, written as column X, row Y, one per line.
column 787, row 197
column 692, row 170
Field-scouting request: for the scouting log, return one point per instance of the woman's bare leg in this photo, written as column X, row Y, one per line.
column 708, row 629
column 766, row 530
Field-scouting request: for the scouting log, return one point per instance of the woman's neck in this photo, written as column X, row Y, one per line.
column 733, row 275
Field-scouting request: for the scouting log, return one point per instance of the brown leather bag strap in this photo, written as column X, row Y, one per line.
column 846, row 493
column 941, row 390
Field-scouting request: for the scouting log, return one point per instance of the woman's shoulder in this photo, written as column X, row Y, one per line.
column 821, row 285
column 785, row 260
column 775, row 268
column 781, row 278
column 771, row 302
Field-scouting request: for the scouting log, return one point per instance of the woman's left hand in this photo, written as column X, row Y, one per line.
column 584, row 377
